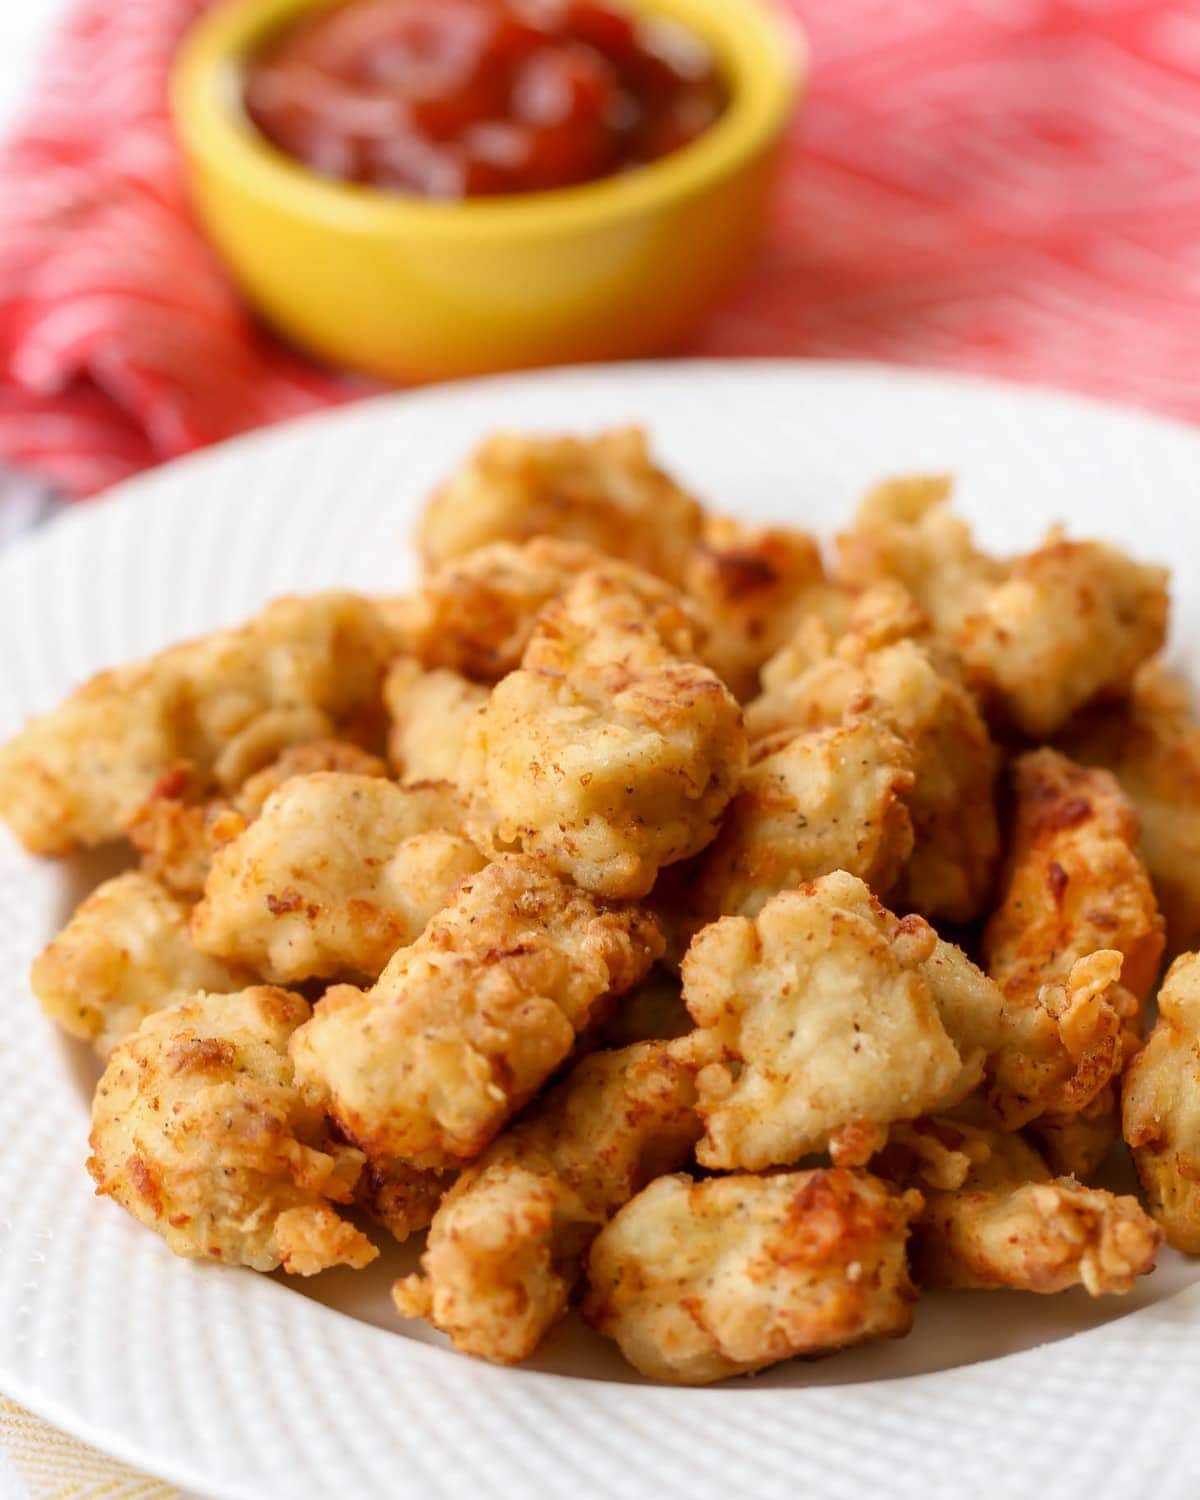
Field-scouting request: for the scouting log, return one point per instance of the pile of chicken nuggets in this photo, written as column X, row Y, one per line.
column 668, row 916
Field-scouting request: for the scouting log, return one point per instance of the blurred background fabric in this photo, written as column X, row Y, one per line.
column 1007, row 186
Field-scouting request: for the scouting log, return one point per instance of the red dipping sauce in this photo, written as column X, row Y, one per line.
column 467, row 98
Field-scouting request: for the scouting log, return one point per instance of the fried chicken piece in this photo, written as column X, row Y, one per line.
column 754, row 586
column 1071, row 623
column 465, row 1025
column 697, row 1281
column 1076, row 942
column 611, row 752
column 199, row 1132
column 807, row 805
column 403, row 1199
column 431, row 714
column 1161, row 1107
column 1151, row 743
column 179, row 830
column 222, row 706
column 1009, row 1224
column 604, row 491
column 337, row 873
column 507, row 1244
column 125, row 954
column 1077, row 1145
column 816, row 1028
column 905, row 532
column 914, row 686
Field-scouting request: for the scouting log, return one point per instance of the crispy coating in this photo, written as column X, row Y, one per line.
column 508, row 1242
column 1151, row 743
column 1072, row 622
column 611, row 752
column 403, row 1199
column 125, row 954
column 604, row 491
column 1161, row 1107
column 697, row 1281
column 179, row 830
column 223, row 706
column 754, row 586
column 905, row 532
column 1077, row 1145
column 816, row 1028
column 465, row 1025
column 431, row 714
column 913, row 685
column 199, row 1132
column 1076, row 942
column 1009, row 1224
column 809, row 804
column 337, row 873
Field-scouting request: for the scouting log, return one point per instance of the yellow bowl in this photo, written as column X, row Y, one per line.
column 416, row 290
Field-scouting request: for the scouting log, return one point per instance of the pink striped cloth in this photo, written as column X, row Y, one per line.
column 1001, row 185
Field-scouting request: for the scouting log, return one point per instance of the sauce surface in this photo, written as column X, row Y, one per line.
column 469, row 98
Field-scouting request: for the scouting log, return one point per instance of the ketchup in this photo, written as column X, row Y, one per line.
column 466, row 98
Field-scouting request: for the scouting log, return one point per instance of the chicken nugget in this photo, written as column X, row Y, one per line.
column 1161, row 1107
column 604, row 491
column 466, row 1024
column 1151, row 743
column 808, row 804
column 223, row 706
column 179, row 830
column 1071, row 622
column 1076, row 942
column 125, row 954
column 199, row 1132
column 754, row 586
column 1009, row 1224
column 697, row 1281
column 337, row 873
column 431, row 714
column 905, row 532
column 507, row 1243
column 915, row 687
column 816, row 1028
column 611, row 753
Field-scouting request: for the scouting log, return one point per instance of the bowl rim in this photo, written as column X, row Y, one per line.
column 763, row 52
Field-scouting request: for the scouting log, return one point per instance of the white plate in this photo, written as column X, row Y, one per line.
column 237, row 1386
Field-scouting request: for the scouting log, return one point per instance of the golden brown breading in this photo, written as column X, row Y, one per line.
column 1151, row 743
column 807, row 805
column 1009, row 1224
column 697, row 1281
column 1161, row 1107
column 611, row 753
column 508, row 1242
column 1077, row 1145
column 817, row 1028
column 915, row 687
column 337, row 873
column 465, row 1025
column 222, row 706
column 906, row 532
column 179, row 830
column 199, row 1132
column 403, row 1199
column 754, row 586
column 1076, row 942
column 604, row 491
column 474, row 615
column 1070, row 623
column 431, row 714
column 124, row 954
